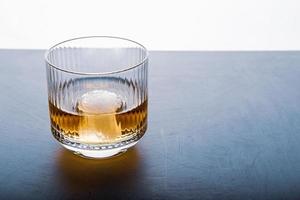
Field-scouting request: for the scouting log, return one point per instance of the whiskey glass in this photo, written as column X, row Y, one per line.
column 97, row 94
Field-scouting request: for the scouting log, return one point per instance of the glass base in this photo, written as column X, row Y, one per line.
column 96, row 154
column 94, row 151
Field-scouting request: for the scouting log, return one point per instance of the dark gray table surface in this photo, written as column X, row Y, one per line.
column 222, row 125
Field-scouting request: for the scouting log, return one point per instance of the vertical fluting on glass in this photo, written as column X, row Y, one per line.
column 97, row 65
column 62, row 87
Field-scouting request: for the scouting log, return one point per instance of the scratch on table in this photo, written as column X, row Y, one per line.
column 255, row 159
column 163, row 139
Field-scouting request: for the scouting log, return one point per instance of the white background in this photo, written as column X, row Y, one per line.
column 158, row 24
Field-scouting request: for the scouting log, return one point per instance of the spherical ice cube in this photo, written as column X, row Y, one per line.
column 99, row 102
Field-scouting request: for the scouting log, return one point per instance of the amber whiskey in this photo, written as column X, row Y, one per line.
column 98, row 120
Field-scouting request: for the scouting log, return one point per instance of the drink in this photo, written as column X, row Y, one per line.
column 100, row 128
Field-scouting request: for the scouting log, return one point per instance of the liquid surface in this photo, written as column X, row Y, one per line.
column 100, row 117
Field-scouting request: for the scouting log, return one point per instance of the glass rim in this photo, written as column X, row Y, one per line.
column 123, row 69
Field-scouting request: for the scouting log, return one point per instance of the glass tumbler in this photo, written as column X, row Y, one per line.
column 97, row 93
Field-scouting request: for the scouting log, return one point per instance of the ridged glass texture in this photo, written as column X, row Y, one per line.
column 97, row 92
